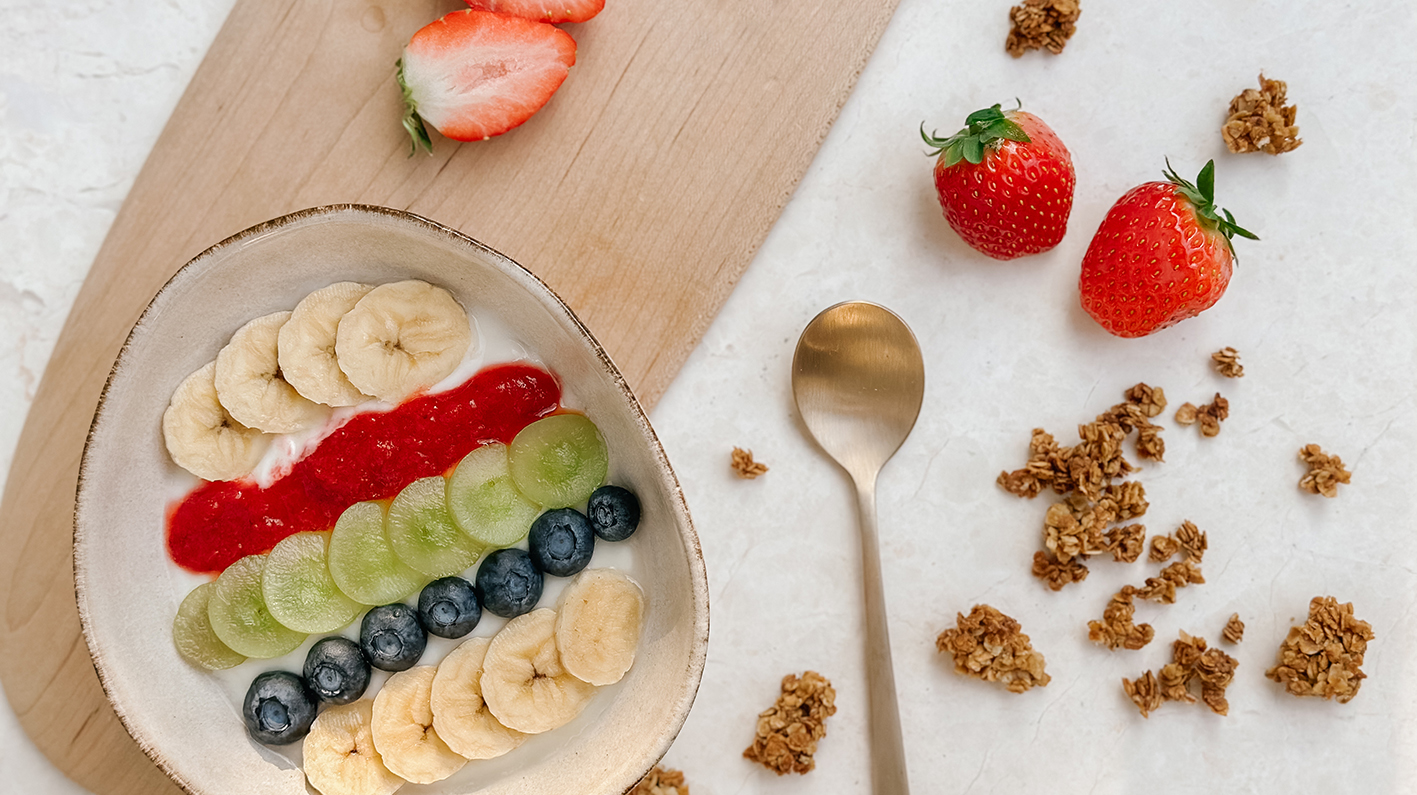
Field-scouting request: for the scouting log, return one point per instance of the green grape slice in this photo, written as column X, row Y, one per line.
column 363, row 563
column 239, row 617
column 298, row 588
column 485, row 502
column 558, row 461
column 192, row 633
column 423, row 533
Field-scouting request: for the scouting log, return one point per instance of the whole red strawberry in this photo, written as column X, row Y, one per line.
column 1162, row 255
column 1005, row 182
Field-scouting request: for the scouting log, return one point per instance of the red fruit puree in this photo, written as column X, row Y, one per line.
column 370, row 457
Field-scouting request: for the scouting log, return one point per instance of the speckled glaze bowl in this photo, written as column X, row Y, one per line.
column 128, row 590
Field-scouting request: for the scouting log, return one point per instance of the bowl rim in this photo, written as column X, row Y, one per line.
column 688, row 535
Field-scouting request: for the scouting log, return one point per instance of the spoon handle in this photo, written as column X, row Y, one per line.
column 888, row 774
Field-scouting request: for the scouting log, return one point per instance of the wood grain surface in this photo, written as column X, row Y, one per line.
column 640, row 194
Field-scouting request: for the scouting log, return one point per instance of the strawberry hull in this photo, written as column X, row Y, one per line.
column 1017, row 199
column 1151, row 264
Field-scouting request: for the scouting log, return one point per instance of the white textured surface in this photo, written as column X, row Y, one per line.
column 1321, row 310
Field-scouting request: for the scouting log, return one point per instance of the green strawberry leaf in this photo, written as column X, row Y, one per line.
column 983, row 129
column 412, row 122
column 1201, row 195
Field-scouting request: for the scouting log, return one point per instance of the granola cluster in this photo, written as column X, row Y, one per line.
column 1192, row 663
column 744, row 465
column 1325, row 471
column 1259, row 121
column 1118, row 628
column 660, row 781
column 1188, row 538
column 1322, row 657
column 1234, row 631
column 1076, row 527
column 787, row 733
column 1210, row 415
column 1041, row 25
column 989, row 645
column 1227, row 362
column 1162, row 587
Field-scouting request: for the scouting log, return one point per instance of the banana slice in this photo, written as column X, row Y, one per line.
column 598, row 625
column 459, row 713
column 523, row 681
column 307, row 345
column 401, row 338
column 202, row 437
column 249, row 382
column 340, row 757
column 403, row 729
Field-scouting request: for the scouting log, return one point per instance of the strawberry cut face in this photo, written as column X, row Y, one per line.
column 1152, row 263
column 475, row 74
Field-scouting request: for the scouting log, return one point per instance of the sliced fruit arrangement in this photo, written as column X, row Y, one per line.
column 1162, row 255
column 343, row 342
column 264, row 606
column 385, row 505
column 370, row 457
column 1005, row 182
column 483, row 700
column 474, row 74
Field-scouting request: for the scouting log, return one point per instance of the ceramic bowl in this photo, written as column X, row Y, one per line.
column 128, row 590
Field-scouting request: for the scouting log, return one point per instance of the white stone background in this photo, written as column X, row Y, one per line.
column 1322, row 311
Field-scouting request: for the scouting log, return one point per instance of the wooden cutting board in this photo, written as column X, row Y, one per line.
column 640, row 193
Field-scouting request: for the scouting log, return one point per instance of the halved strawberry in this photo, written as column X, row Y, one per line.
column 476, row 74
column 543, row 10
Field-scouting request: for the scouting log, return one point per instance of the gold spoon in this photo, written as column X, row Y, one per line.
column 859, row 380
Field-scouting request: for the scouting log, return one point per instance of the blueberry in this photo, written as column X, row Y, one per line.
column 278, row 709
column 336, row 670
column 449, row 608
column 508, row 583
column 561, row 541
column 392, row 638
column 614, row 513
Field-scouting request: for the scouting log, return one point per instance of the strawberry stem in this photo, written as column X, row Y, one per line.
column 982, row 128
column 1201, row 194
column 412, row 122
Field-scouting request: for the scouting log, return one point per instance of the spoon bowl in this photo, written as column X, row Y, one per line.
column 859, row 380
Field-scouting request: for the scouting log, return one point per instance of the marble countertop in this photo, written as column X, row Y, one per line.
column 1322, row 311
